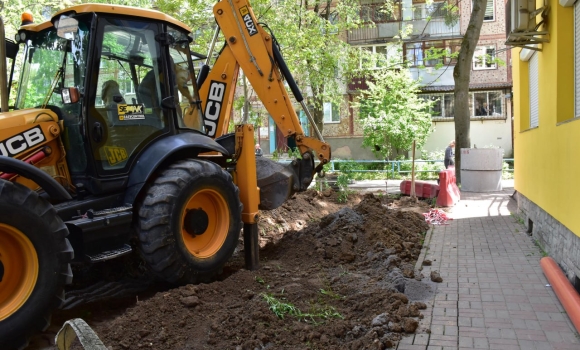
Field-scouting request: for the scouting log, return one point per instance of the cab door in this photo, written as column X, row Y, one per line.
column 125, row 114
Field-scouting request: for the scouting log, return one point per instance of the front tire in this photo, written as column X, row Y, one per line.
column 189, row 222
column 34, row 259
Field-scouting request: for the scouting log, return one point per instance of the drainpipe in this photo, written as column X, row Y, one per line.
column 3, row 73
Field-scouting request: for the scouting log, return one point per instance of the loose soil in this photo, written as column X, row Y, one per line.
column 332, row 276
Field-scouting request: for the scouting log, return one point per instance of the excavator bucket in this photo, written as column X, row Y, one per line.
column 279, row 182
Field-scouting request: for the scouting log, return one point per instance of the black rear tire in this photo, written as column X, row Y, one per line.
column 35, row 256
column 189, row 222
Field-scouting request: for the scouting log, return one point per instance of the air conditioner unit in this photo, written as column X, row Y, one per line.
column 520, row 15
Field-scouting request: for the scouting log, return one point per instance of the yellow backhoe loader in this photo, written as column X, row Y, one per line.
column 115, row 143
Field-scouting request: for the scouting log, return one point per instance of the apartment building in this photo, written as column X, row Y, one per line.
column 425, row 27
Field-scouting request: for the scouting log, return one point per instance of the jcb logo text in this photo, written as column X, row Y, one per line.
column 21, row 142
column 215, row 99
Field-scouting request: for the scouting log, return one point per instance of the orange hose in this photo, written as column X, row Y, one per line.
column 563, row 289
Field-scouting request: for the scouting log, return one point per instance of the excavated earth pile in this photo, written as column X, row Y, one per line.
column 332, row 277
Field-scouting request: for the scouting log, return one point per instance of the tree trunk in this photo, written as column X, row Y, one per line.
column 461, row 75
column 318, row 109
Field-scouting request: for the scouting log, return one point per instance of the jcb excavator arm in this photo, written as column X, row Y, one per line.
column 250, row 47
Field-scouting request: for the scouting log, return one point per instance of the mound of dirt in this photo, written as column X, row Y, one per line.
column 332, row 276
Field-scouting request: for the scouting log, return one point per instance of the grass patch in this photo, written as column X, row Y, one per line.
column 542, row 251
column 518, row 218
column 317, row 314
column 330, row 293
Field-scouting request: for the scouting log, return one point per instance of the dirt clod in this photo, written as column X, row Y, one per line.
column 436, row 277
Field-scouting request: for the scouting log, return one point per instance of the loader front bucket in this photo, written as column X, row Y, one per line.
column 279, row 182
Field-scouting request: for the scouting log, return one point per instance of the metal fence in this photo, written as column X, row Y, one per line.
column 395, row 165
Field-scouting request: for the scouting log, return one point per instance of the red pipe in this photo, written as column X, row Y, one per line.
column 35, row 158
column 563, row 288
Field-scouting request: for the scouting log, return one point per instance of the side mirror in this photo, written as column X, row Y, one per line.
column 70, row 95
column 66, row 27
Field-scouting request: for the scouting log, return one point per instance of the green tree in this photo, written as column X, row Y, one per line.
column 391, row 113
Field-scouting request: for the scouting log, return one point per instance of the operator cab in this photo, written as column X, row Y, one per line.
column 119, row 78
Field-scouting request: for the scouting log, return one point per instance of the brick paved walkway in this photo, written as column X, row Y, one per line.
column 494, row 294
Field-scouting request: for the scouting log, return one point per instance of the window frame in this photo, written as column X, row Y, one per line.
column 390, row 48
column 534, row 103
column 446, row 44
column 370, row 11
column 576, row 60
column 444, row 104
column 489, row 8
column 484, row 56
column 424, row 10
column 334, row 108
column 490, row 5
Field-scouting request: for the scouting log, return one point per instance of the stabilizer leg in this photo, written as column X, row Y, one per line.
column 251, row 246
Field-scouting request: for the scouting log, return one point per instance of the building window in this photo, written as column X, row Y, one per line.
column 331, row 113
column 439, row 105
column 533, row 77
column 388, row 55
column 486, row 104
column 484, row 58
column 489, row 11
column 434, row 10
column 420, row 54
column 379, row 11
column 482, row 104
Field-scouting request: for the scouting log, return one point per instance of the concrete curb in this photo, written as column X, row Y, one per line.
column 426, row 242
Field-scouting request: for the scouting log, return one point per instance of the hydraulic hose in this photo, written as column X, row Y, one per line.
column 294, row 87
column 286, row 73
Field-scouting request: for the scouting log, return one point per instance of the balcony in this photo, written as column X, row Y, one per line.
column 422, row 28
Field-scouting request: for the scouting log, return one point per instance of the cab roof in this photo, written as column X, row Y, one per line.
column 111, row 9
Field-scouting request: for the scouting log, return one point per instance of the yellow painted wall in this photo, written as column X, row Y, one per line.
column 547, row 158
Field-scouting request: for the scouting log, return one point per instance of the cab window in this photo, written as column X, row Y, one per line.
column 129, row 91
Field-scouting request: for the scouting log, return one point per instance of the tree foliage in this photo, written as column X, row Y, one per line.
column 391, row 113
column 311, row 38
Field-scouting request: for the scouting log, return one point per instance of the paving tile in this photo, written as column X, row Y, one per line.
column 410, row 347
column 565, row 346
column 421, row 339
column 480, row 343
column 541, row 345
column 528, row 334
column 451, row 330
column 466, row 342
column 554, row 325
column 407, row 340
column 443, row 343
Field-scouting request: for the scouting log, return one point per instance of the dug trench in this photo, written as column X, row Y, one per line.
column 332, row 276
